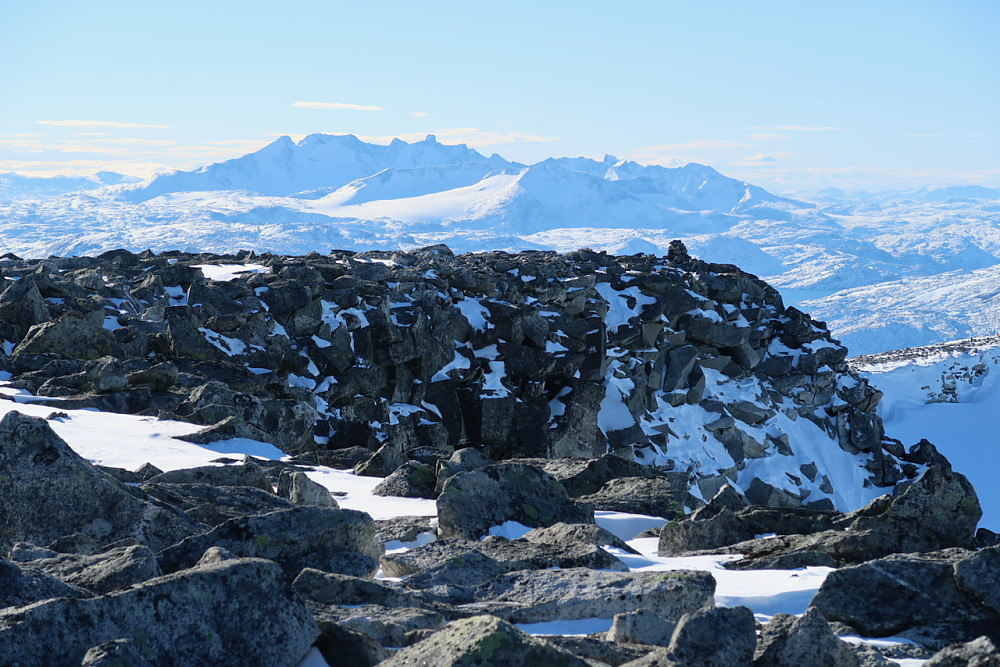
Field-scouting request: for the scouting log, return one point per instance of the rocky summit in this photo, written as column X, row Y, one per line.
column 533, row 388
column 396, row 360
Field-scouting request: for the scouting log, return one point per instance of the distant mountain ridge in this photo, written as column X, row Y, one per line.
column 338, row 192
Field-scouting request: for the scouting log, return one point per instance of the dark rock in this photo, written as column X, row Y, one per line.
column 48, row 491
column 655, row 496
column 211, row 505
column 343, row 647
column 473, row 502
column 980, row 652
column 72, row 335
column 159, row 377
column 168, row 620
column 979, row 577
column 916, row 594
column 107, row 374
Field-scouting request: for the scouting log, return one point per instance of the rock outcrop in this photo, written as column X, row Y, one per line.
column 410, row 356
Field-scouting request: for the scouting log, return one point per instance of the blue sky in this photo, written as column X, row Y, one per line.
column 790, row 95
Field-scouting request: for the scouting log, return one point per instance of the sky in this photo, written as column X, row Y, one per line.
column 793, row 96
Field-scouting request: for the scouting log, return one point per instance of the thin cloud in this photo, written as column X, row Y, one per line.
column 761, row 159
column 768, row 137
column 949, row 136
column 336, row 105
column 419, row 114
column 95, row 123
column 799, row 128
column 141, row 142
column 90, row 134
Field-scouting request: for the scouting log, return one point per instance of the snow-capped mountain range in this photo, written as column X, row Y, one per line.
column 886, row 271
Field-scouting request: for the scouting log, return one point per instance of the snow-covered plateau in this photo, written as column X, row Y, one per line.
column 888, row 271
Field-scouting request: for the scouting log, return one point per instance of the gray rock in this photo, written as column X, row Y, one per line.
column 482, row 640
column 723, row 529
column 386, row 626
column 472, row 502
column 169, row 622
column 979, row 577
column 103, row 572
column 413, row 479
column 654, row 496
column 582, row 476
column 535, row 597
column 298, row 488
column 247, row 474
column 915, row 594
column 641, row 627
column 70, row 335
column 37, row 464
column 980, row 652
column 107, row 374
column 326, row 539
column 718, row 637
column 470, row 563
column 158, row 377
column 212, row 505
column 23, row 583
column 789, row 641
column 568, row 534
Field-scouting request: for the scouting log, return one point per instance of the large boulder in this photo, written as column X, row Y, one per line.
column 914, row 595
column 482, row 640
column 48, row 491
column 22, row 584
column 473, row 502
column 535, row 597
column 790, row 641
column 333, row 540
column 103, row 572
column 72, row 335
column 718, row 637
column 980, row 652
column 182, row 618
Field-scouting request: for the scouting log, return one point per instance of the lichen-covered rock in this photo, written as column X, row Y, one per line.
column 246, row 474
column 333, row 540
column 568, row 534
column 482, row 640
column 654, row 496
column 102, row 572
column 789, row 641
column 211, row 505
column 641, row 627
column 916, row 595
column 718, row 637
column 170, row 621
column 535, row 597
column 298, row 488
column 23, row 583
column 473, row 502
column 980, row 652
column 48, row 491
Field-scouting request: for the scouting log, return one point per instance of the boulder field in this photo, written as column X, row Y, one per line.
column 534, row 388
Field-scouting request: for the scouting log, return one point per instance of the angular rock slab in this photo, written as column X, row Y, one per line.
column 537, row 597
column 473, row 502
column 482, row 640
column 332, row 540
column 238, row 612
column 47, row 491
